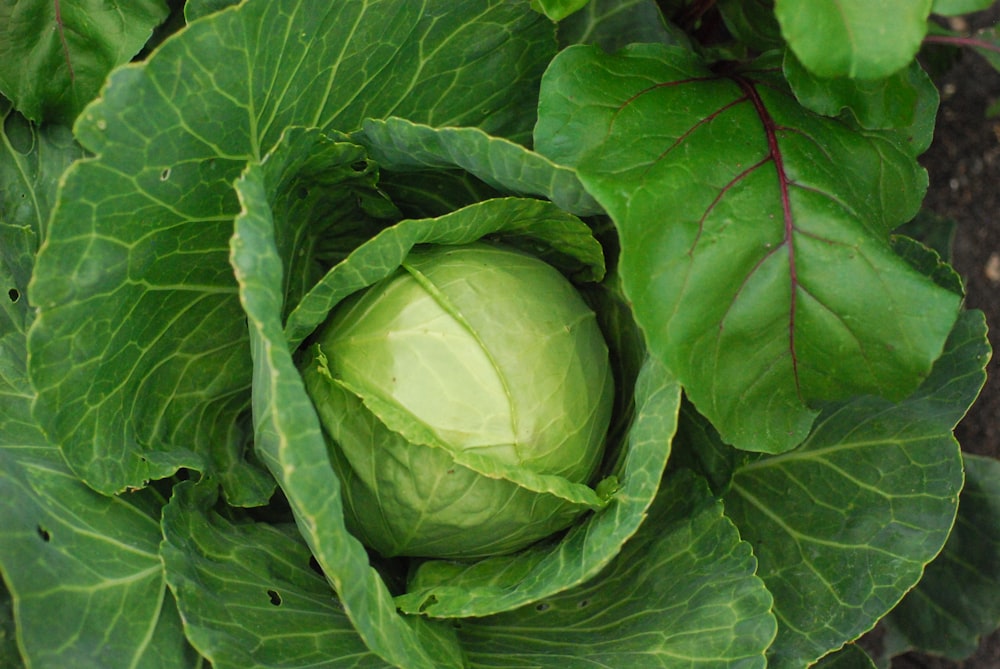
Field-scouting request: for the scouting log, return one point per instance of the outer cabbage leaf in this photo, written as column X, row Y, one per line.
column 958, row 599
column 400, row 145
column 54, row 56
column 248, row 592
column 83, row 571
column 844, row 525
column 853, row 38
column 139, row 352
column 681, row 594
column 288, row 437
column 754, row 235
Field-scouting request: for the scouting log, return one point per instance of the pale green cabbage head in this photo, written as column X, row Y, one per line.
column 464, row 395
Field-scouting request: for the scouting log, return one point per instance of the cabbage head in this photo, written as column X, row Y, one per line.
column 462, row 395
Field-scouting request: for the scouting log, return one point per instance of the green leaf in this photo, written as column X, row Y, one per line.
column 248, row 594
column 613, row 24
column 31, row 160
column 844, row 525
column 848, row 657
column 956, row 7
column 289, row 440
column 449, row 589
column 905, row 101
column 54, row 56
column 853, row 38
column 557, row 10
column 958, row 600
column 682, row 592
column 753, row 23
column 400, row 145
column 754, row 235
column 139, row 351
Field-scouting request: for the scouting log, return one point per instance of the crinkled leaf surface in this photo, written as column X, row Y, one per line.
column 905, row 101
column 681, row 594
column 843, row 525
column 853, row 38
column 248, row 594
column 400, row 145
column 958, row 599
column 139, row 352
column 54, row 56
column 754, row 235
column 288, row 438
column 31, row 160
column 83, row 570
column 449, row 589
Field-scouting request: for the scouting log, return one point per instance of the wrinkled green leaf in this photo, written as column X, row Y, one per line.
column 853, row 38
column 83, row 572
column 289, row 440
column 613, row 24
column 139, row 352
column 399, row 145
column 956, row 7
column 248, row 594
column 958, row 599
column 906, row 101
column 31, row 160
column 54, row 56
column 754, row 235
column 682, row 594
column 843, row 525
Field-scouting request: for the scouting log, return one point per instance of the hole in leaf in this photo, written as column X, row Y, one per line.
column 359, row 166
column 165, row 174
column 314, row 565
column 44, row 534
column 427, row 603
column 275, row 597
column 583, row 603
column 543, row 607
column 14, row 294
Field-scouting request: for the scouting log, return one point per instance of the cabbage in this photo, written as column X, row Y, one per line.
column 456, row 392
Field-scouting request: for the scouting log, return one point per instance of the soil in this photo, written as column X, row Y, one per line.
column 964, row 168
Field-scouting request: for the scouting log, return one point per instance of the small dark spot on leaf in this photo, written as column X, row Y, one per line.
column 451, row 471
column 543, row 607
column 14, row 294
column 583, row 603
column 275, row 597
column 44, row 534
column 165, row 174
column 359, row 166
column 303, row 192
column 427, row 603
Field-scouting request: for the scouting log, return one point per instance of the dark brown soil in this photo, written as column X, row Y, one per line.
column 964, row 167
